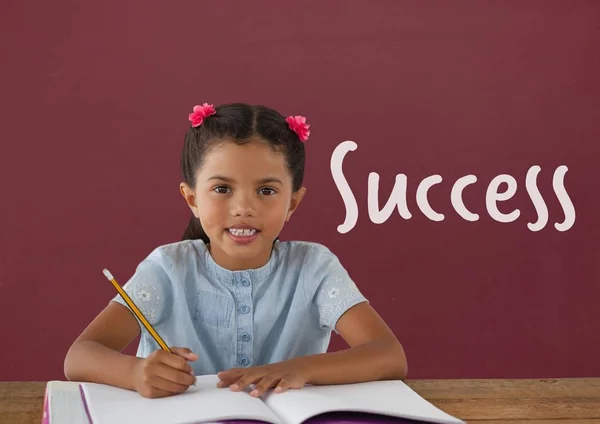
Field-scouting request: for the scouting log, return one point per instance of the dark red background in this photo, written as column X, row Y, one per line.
column 95, row 98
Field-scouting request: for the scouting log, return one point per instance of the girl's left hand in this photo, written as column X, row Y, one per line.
column 280, row 376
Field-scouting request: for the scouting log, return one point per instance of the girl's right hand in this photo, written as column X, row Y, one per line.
column 164, row 374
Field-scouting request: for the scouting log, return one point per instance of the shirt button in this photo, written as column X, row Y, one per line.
column 245, row 337
column 244, row 362
column 245, row 283
column 245, row 309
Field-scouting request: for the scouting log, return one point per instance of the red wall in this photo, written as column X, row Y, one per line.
column 95, row 103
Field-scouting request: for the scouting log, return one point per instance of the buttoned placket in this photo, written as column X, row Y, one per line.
column 243, row 300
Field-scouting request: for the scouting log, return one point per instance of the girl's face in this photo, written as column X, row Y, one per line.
column 243, row 197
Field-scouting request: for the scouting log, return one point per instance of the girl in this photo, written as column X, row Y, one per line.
column 256, row 311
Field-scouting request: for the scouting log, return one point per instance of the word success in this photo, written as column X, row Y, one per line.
column 397, row 197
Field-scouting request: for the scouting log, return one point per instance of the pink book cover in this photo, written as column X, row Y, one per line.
column 46, row 412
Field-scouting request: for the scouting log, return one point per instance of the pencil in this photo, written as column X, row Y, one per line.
column 136, row 311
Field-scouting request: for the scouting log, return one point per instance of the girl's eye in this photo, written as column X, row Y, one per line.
column 221, row 189
column 267, row 191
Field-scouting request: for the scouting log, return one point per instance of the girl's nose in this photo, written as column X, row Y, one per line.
column 243, row 205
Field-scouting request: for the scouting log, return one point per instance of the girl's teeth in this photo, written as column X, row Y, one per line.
column 242, row 232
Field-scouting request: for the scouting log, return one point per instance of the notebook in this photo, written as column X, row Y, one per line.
column 378, row 402
column 63, row 404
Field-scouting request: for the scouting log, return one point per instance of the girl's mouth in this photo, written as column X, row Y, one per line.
column 242, row 232
column 242, row 235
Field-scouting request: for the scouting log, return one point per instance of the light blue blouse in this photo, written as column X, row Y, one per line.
column 285, row 309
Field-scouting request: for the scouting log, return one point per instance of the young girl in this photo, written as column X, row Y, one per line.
column 256, row 311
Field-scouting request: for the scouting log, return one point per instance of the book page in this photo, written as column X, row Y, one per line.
column 200, row 403
column 64, row 403
column 391, row 398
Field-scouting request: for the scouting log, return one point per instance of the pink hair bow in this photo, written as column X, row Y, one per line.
column 299, row 126
column 200, row 113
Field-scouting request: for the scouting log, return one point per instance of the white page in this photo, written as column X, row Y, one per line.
column 204, row 402
column 393, row 398
column 64, row 403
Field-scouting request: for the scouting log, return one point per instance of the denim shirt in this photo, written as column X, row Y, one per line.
column 286, row 308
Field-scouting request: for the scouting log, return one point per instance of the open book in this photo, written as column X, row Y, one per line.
column 372, row 402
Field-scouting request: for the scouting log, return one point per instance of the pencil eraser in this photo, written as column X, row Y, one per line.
column 107, row 274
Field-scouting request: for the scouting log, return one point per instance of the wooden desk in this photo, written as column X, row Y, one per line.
column 561, row 401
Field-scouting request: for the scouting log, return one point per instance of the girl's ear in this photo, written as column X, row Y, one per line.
column 296, row 199
column 190, row 197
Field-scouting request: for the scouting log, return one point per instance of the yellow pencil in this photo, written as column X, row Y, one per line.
column 136, row 311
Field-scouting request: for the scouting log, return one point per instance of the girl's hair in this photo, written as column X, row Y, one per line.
column 240, row 123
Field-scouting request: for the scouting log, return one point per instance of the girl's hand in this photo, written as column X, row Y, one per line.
column 164, row 374
column 281, row 376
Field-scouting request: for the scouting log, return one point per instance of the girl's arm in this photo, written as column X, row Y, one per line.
column 96, row 356
column 374, row 354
